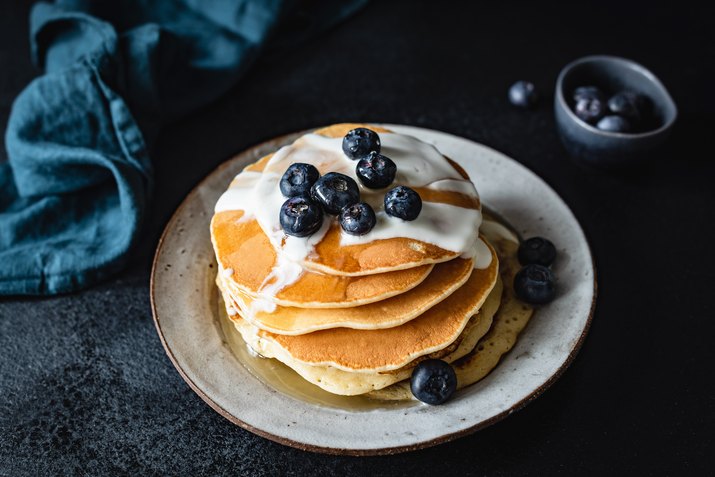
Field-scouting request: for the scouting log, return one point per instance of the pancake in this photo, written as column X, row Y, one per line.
column 510, row 319
column 476, row 328
column 444, row 279
column 241, row 243
column 347, row 383
column 391, row 348
column 254, row 270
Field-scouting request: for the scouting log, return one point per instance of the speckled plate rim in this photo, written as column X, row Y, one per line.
column 199, row 359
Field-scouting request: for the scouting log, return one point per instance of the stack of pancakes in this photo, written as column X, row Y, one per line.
column 357, row 318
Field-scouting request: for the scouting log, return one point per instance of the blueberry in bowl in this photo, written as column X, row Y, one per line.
column 614, row 123
column 630, row 105
column 627, row 90
column 588, row 92
column 589, row 103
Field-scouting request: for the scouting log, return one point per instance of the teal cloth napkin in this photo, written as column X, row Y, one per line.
column 74, row 192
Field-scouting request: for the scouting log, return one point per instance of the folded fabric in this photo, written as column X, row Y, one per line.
column 75, row 189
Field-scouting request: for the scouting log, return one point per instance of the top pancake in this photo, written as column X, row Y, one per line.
column 252, row 261
column 242, row 245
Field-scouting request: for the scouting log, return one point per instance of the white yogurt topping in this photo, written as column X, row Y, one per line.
column 437, row 223
column 480, row 252
column 284, row 272
column 418, row 165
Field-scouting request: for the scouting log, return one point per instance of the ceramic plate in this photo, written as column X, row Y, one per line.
column 184, row 303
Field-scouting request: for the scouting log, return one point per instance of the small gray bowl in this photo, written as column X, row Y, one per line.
column 603, row 149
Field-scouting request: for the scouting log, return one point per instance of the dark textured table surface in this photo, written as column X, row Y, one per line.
column 86, row 388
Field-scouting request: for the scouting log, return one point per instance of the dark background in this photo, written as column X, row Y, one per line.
column 85, row 385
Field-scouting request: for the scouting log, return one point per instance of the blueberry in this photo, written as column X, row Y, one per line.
column 433, row 381
column 298, row 179
column 403, row 202
column 534, row 284
column 523, row 94
column 357, row 219
column 376, row 171
column 614, row 123
column 334, row 191
column 360, row 142
column 589, row 103
column 537, row 250
column 300, row 216
column 627, row 104
column 588, row 92
column 590, row 109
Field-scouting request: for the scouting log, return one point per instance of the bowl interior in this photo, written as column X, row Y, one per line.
column 611, row 74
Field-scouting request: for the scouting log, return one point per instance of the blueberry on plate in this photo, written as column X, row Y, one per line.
column 334, row 191
column 360, row 142
column 433, row 381
column 403, row 202
column 523, row 94
column 535, row 284
column 298, row 179
column 614, row 123
column 627, row 104
column 357, row 219
column 300, row 216
column 536, row 250
column 376, row 171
